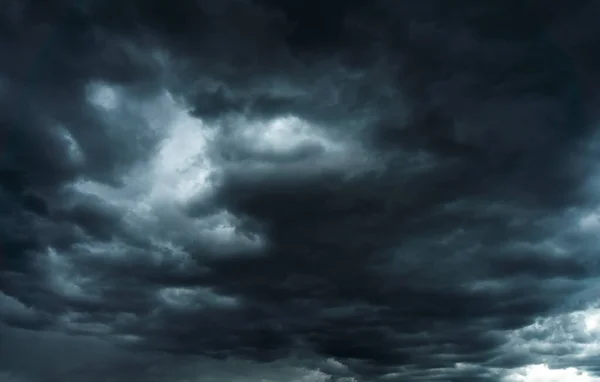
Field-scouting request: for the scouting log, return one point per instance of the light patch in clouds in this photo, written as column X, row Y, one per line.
column 182, row 169
column 315, row 376
column 286, row 145
column 154, row 195
column 592, row 320
column 590, row 222
column 194, row 298
column 103, row 96
column 559, row 340
column 335, row 365
column 76, row 155
column 224, row 230
column 285, row 136
column 542, row 373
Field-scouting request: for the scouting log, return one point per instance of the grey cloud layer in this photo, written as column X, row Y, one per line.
column 302, row 190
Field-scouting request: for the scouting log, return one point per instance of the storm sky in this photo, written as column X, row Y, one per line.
column 300, row 190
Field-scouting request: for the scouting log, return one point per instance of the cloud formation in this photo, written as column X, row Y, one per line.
column 261, row 190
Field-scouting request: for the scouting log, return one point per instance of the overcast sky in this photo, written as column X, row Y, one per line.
column 300, row 190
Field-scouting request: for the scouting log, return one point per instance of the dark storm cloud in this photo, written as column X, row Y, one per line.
column 301, row 190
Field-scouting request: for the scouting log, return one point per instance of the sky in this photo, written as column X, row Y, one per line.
column 299, row 191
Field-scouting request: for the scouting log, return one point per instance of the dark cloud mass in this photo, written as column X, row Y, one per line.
column 265, row 190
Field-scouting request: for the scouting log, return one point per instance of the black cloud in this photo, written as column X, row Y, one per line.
column 300, row 190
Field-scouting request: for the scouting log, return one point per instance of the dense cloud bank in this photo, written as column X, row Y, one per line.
column 263, row 190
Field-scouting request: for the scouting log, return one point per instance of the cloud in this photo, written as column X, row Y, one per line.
column 536, row 373
column 309, row 191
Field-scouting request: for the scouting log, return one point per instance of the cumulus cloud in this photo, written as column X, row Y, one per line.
column 260, row 190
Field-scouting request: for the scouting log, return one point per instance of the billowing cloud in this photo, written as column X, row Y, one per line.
column 260, row 190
